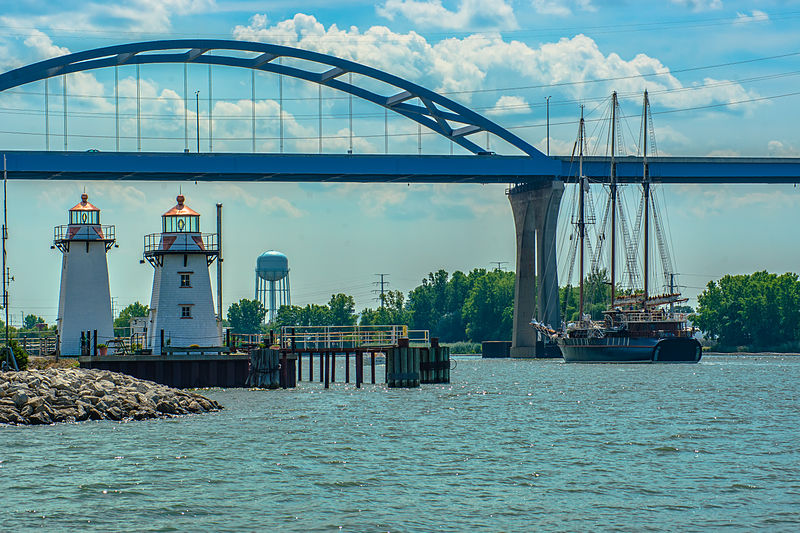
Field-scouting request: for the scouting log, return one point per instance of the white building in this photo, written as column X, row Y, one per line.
column 181, row 304
column 84, row 302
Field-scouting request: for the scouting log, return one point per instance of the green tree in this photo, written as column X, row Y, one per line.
column 489, row 308
column 341, row 310
column 123, row 321
column 31, row 321
column 246, row 316
column 760, row 311
column 393, row 312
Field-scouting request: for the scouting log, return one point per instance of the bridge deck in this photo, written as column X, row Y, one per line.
column 163, row 166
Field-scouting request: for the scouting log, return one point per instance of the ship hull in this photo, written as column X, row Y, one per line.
column 630, row 350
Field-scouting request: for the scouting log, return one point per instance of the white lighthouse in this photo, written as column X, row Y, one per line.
column 84, row 303
column 181, row 304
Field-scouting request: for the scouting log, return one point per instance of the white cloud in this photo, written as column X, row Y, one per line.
column 147, row 16
column 754, row 16
column 699, row 5
column 265, row 204
column 561, row 8
column 510, row 105
column 781, row 149
column 461, row 65
column 469, row 15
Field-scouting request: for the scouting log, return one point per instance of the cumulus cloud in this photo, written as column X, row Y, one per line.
column 149, row 16
column 510, row 105
column 754, row 16
column 562, row 8
column 782, row 149
column 469, row 15
column 265, row 204
column 461, row 65
column 699, row 5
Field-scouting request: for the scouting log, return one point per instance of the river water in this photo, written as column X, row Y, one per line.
column 509, row 445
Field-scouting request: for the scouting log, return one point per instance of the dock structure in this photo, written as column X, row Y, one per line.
column 325, row 343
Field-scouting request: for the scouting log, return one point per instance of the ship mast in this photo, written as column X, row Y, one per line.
column 581, row 222
column 646, row 193
column 613, row 195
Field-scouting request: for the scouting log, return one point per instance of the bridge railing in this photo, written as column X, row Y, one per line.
column 348, row 337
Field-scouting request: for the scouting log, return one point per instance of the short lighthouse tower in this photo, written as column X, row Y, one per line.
column 181, row 304
column 84, row 303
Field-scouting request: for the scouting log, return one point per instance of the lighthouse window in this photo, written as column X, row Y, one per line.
column 186, row 311
column 185, row 281
column 188, row 224
column 84, row 217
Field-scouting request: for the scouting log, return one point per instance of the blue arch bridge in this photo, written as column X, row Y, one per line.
column 535, row 197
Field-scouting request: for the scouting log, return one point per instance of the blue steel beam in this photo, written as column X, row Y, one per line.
column 434, row 110
column 522, row 170
column 766, row 170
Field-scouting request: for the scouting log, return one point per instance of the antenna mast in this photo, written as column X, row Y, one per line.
column 646, row 192
column 613, row 196
column 581, row 221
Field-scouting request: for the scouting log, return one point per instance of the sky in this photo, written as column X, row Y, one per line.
column 722, row 77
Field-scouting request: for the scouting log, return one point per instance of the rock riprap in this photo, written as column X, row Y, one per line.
column 70, row 395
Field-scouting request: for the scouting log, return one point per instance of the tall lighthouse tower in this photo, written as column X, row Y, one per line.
column 181, row 304
column 84, row 303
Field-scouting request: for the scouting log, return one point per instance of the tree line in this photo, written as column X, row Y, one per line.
column 756, row 312
column 751, row 312
column 475, row 306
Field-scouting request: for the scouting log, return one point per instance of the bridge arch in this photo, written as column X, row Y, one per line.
column 438, row 113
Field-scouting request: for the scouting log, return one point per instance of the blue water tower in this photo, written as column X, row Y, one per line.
column 272, row 282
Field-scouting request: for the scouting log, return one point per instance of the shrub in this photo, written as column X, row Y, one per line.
column 19, row 353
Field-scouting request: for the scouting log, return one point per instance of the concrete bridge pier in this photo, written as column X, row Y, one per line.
column 535, row 209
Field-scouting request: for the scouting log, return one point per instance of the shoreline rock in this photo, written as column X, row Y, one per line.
column 74, row 395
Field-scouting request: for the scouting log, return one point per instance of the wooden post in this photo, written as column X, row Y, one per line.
column 322, row 356
column 327, row 368
column 284, row 371
column 95, row 343
column 359, row 368
column 310, row 366
column 162, row 342
column 228, row 338
column 373, row 367
column 333, row 367
column 347, row 367
column 299, row 367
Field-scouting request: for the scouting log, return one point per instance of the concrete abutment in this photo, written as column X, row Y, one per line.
column 535, row 210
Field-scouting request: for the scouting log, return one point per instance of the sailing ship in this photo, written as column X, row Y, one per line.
column 635, row 328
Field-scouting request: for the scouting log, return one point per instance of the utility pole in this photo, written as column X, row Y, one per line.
column 382, row 291
column 499, row 265
column 9, row 352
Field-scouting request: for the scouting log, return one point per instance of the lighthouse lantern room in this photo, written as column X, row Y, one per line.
column 181, row 305
column 84, row 302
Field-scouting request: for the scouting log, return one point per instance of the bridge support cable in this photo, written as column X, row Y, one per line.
column 436, row 112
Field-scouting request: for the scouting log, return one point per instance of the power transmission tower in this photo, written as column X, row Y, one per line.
column 382, row 291
column 499, row 264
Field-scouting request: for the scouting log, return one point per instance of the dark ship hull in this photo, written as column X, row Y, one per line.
column 626, row 349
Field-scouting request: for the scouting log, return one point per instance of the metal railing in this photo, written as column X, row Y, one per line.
column 94, row 232
column 346, row 337
column 193, row 242
column 35, row 344
column 655, row 317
